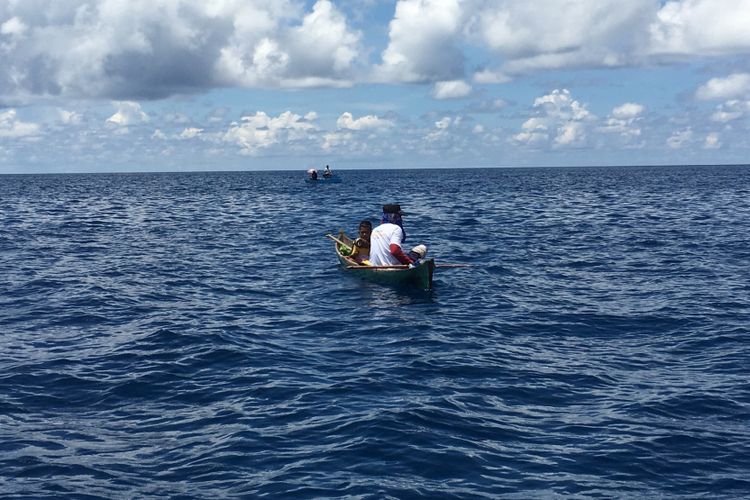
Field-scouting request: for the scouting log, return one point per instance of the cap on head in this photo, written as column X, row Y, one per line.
column 393, row 209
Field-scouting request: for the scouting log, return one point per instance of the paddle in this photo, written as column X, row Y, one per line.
column 396, row 266
column 338, row 240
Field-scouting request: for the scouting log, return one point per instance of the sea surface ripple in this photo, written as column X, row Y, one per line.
column 189, row 335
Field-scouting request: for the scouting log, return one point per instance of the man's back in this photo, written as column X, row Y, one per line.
column 380, row 244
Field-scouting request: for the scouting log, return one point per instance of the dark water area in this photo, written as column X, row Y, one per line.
column 189, row 335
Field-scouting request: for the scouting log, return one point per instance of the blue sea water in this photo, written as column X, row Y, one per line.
column 189, row 335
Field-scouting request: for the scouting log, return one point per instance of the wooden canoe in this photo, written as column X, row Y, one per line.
column 420, row 276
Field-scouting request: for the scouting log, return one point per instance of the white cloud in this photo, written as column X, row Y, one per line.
column 150, row 49
column 320, row 51
column 347, row 121
column 559, row 120
column 701, row 27
column 453, row 89
column 133, row 49
column 443, row 123
column 423, row 42
column 442, row 133
column 13, row 27
column 323, row 44
column 425, row 35
column 190, row 133
column 712, row 141
column 734, row 86
column 158, row 134
column 590, row 33
column 333, row 140
column 680, row 138
column 355, row 135
column 260, row 131
column 128, row 113
column 731, row 110
column 69, row 117
column 628, row 111
column 624, row 121
column 11, row 126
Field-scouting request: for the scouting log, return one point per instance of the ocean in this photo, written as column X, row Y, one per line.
column 190, row 335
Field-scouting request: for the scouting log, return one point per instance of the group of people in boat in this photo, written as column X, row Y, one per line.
column 313, row 173
column 382, row 246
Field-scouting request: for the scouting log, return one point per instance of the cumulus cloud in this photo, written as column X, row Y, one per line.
column 321, row 51
column 680, row 138
column 13, row 27
column 443, row 123
column 12, row 127
column 712, row 141
column 69, row 117
column 441, row 132
column 733, row 86
column 628, row 111
column 453, row 89
column 128, row 113
column 423, row 42
column 624, row 121
column 355, row 134
column 559, row 121
column 596, row 33
column 150, row 49
column 260, row 131
column 133, row 49
column 426, row 35
column 367, row 122
column 332, row 140
column 701, row 27
column 190, row 133
column 731, row 110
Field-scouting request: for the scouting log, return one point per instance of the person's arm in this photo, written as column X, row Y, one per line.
column 398, row 252
column 355, row 250
column 395, row 247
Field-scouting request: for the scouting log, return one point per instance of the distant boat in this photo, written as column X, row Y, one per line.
column 332, row 179
column 420, row 276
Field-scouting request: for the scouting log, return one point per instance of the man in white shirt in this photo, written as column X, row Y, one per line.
column 386, row 239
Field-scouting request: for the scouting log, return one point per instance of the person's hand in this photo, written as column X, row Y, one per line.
column 414, row 264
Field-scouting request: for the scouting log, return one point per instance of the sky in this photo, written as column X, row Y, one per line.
column 181, row 85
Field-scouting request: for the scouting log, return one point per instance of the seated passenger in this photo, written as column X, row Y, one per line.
column 361, row 246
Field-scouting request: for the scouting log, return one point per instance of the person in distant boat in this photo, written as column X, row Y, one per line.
column 313, row 174
column 327, row 172
column 386, row 240
column 361, row 246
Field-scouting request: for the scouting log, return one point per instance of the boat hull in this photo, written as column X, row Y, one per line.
column 324, row 180
column 419, row 276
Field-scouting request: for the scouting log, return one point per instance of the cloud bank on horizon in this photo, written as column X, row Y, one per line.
column 103, row 84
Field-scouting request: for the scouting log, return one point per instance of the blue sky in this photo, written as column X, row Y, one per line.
column 154, row 85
